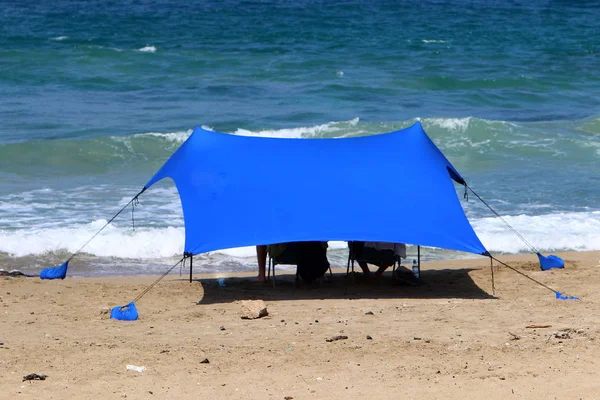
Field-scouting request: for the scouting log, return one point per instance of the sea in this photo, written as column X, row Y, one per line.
column 95, row 97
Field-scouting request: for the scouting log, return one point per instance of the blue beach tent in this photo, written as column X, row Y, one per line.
column 240, row 191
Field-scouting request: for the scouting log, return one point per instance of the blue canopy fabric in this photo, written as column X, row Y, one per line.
column 239, row 191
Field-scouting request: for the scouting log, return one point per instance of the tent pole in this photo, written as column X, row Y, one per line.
column 191, row 262
column 419, row 258
column 492, row 269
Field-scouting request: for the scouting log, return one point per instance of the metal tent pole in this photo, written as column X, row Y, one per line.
column 419, row 258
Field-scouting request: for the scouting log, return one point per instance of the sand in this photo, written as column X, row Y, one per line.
column 450, row 339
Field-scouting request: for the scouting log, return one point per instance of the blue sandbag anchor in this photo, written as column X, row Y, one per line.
column 550, row 262
column 58, row 272
column 125, row 313
column 560, row 296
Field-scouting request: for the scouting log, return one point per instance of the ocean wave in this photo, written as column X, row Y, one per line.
column 147, row 49
column 143, row 243
column 551, row 232
column 47, row 210
column 144, row 49
column 477, row 139
column 102, row 48
column 330, row 129
column 452, row 124
column 176, row 137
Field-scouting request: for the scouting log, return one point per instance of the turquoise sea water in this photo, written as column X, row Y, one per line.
column 95, row 97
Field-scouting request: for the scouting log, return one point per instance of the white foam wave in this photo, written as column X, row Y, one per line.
column 552, row 232
column 104, row 48
column 146, row 243
column 479, row 135
column 59, row 38
column 594, row 144
column 301, row 132
column 433, row 41
column 250, row 251
column 451, row 124
column 147, row 49
column 55, row 209
column 177, row 137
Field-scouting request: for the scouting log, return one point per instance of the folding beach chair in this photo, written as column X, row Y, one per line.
column 391, row 255
column 309, row 257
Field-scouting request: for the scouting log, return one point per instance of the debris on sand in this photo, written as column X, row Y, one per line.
column 561, row 335
column 14, row 273
column 131, row 367
column 32, row 377
column 338, row 337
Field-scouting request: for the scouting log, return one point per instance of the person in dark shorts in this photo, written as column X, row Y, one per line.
column 310, row 258
column 380, row 254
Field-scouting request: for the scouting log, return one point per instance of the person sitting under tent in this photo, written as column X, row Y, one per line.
column 310, row 258
column 381, row 254
column 261, row 256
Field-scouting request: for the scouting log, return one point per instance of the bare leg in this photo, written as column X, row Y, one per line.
column 381, row 270
column 261, row 256
column 365, row 269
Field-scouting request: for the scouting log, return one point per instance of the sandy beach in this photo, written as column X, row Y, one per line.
column 449, row 339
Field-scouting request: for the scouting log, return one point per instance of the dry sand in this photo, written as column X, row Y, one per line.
column 449, row 339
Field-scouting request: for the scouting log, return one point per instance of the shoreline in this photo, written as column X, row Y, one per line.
column 288, row 269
